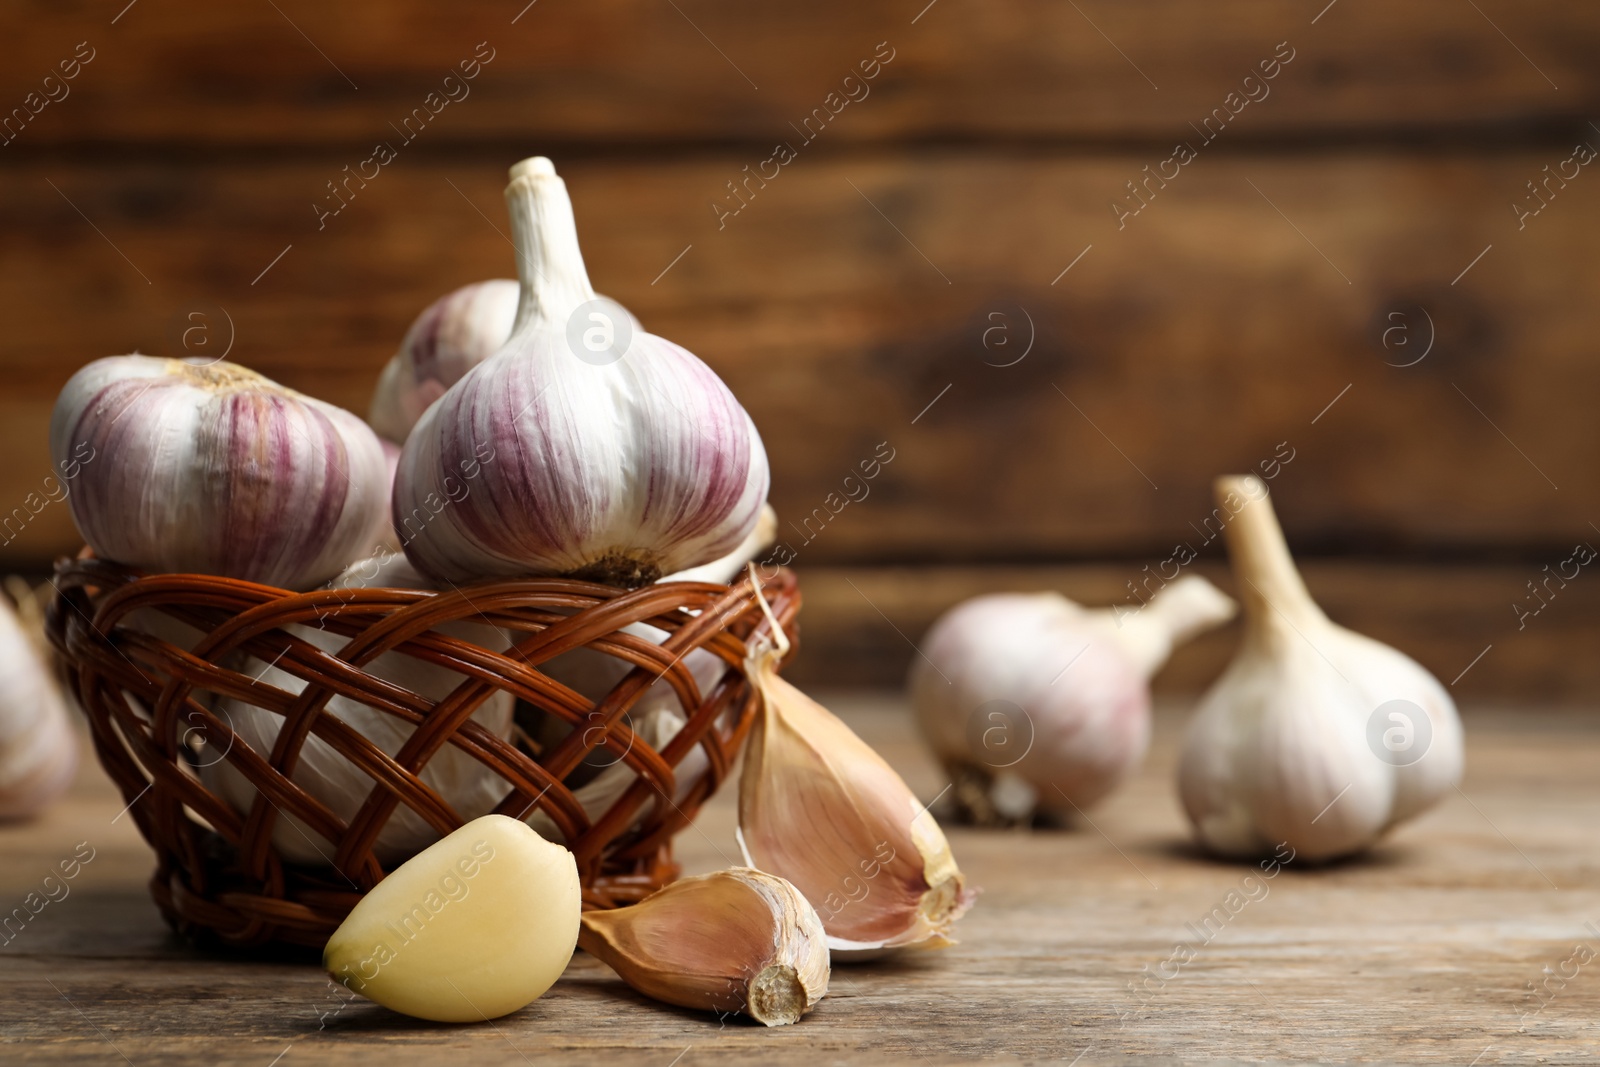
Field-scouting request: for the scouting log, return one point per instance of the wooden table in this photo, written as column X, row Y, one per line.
column 1424, row 951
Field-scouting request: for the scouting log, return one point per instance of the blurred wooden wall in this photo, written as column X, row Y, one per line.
column 939, row 266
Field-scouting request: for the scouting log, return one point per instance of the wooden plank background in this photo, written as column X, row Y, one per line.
column 873, row 290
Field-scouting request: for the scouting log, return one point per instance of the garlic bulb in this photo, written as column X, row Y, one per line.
column 452, row 335
column 215, row 469
column 476, row 926
column 737, row 940
column 656, row 728
column 599, row 452
column 1036, row 704
column 1314, row 735
column 38, row 752
column 819, row 807
column 469, row 787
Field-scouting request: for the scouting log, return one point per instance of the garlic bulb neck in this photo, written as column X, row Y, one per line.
column 1274, row 595
column 1180, row 611
column 545, row 232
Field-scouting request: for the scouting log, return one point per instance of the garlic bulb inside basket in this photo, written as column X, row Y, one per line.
column 464, row 783
column 583, row 448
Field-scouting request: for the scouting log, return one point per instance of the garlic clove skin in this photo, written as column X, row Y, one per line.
column 819, row 807
column 478, row 925
column 735, row 941
column 1285, row 746
column 1035, row 703
column 452, row 335
column 214, row 469
column 464, row 783
column 38, row 750
column 617, row 461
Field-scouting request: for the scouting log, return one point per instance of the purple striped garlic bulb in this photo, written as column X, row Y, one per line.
column 453, row 334
column 585, row 447
column 215, row 469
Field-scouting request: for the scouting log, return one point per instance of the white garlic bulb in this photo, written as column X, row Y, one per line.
column 658, row 714
column 214, row 469
column 1036, row 704
column 582, row 448
column 465, row 784
column 1315, row 735
column 38, row 752
column 452, row 335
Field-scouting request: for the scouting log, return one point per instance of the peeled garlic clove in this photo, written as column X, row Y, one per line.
column 737, row 940
column 474, row 927
column 470, row 788
column 1314, row 736
column 214, row 469
column 38, row 752
column 819, row 807
column 1031, row 696
column 599, row 451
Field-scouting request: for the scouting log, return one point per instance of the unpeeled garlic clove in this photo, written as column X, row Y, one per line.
column 470, row 788
column 738, row 940
column 214, row 469
column 1314, row 736
column 474, row 927
column 38, row 751
column 601, row 452
column 1034, row 703
column 819, row 807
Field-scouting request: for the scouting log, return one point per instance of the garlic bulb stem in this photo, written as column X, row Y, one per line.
column 1270, row 585
column 1178, row 612
column 554, row 280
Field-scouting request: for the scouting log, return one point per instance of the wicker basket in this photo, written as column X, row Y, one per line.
column 219, row 876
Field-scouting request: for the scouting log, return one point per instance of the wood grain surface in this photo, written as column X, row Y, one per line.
column 1426, row 951
column 606, row 73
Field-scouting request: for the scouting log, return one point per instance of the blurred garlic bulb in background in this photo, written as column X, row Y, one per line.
column 387, row 539
column 600, row 452
column 464, row 783
column 819, row 807
column 38, row 752
column 1315, row 735
column 1036, row 704
column 452, row 335
column 214, row 469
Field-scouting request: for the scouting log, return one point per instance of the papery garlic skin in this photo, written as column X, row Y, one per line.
column 611, row 464
column 38, row 751
column 469, row 787
column 819, row 807
column 214, row 469
column 477, row 926
column 734, row 941
column 1030, row 695
column 1282, row 749
column 452, row 335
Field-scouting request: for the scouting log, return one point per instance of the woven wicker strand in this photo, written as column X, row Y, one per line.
column 218, row 876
